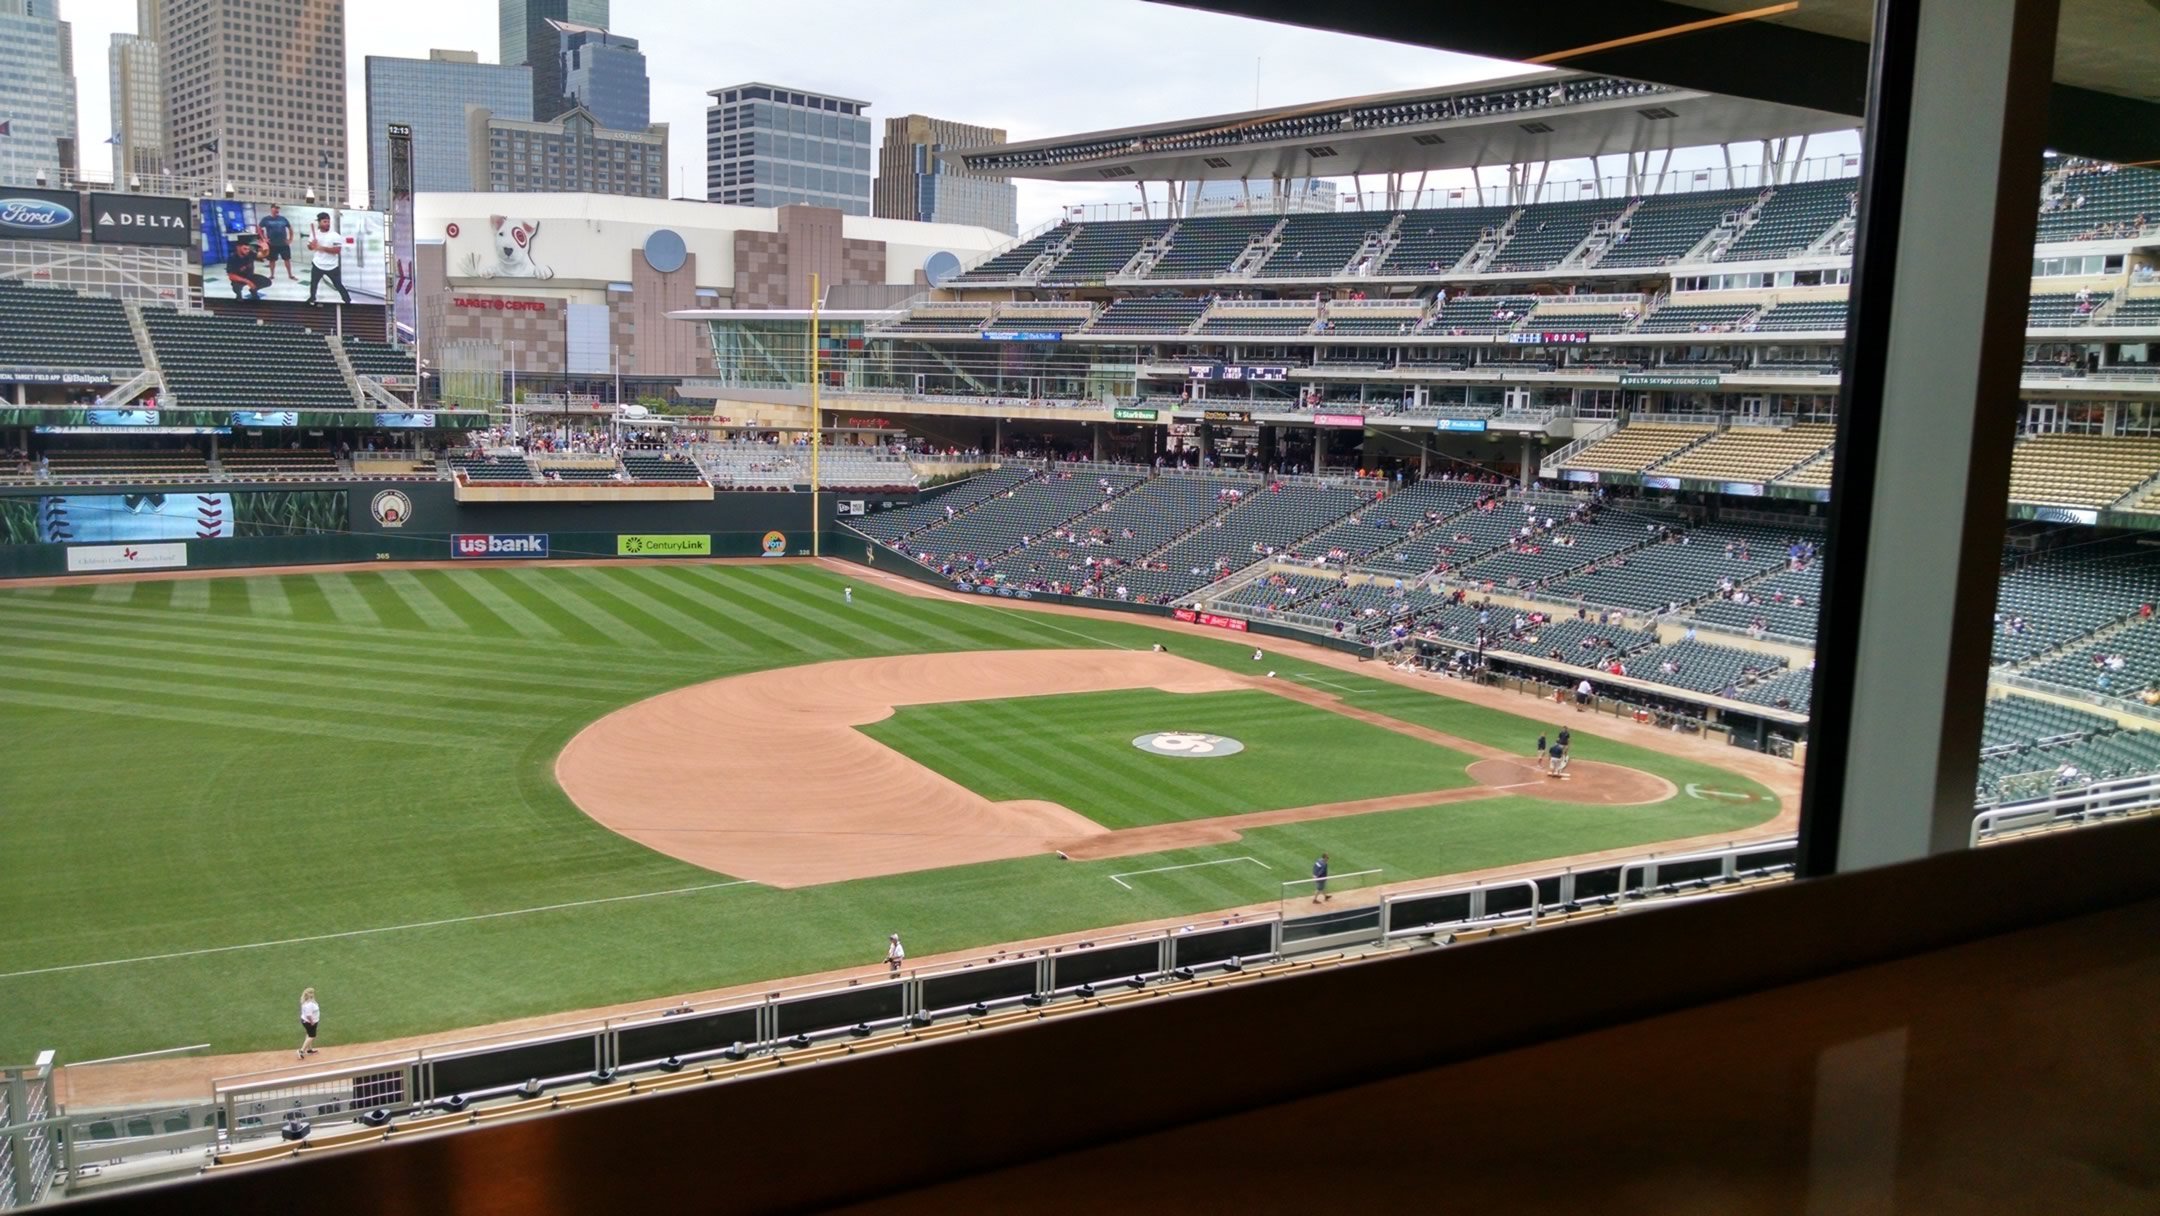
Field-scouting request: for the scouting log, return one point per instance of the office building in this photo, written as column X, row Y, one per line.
column 138, row 97
column 573, row 154
column 527, row 40
column 1311, row 194
column 37, row 93
column 769, row 146
column 255, row 94
column 913, row 183
column 430, row 96
column 605, row 74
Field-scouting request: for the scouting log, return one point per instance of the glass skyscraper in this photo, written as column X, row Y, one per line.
column 769, row 146
column 605, row 73
column 431, row 95
column 37, row 93
column 517, row 20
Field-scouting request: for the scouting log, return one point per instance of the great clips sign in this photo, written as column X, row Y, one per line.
column 40, row 215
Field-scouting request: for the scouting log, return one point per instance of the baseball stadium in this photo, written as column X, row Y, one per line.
column 1211, row 610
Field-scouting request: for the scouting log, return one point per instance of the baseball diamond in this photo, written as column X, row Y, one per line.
column 506, row 790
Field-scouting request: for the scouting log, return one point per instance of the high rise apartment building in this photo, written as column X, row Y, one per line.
column 255, row 94
column 913, row 183
column 37, row 93
column 767, row 145
column 574, row 153
column 430, row 96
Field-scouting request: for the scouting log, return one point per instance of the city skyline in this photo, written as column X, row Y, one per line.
column 1172, row 63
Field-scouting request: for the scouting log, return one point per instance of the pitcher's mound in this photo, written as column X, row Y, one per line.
column 1585, row 781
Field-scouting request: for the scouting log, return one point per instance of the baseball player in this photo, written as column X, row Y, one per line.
column 847, row 594
column 1319, row 873
column 895, row 954
column 1556, row 762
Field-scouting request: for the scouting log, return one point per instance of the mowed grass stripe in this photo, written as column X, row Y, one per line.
column 755, row 610
column 180, row 692
column 420, row 596
column 820, row 596
column 627, row 617
column 258, row 723
column 708, row 610
column 455, row 590
column 266, row 598
column 115, row 593
column 389, row 607
column 286, row 687
column 347, row 605
column 535, row 591
column 310, row 605
column 630, row 592
column 189, row 595
column 523, row 621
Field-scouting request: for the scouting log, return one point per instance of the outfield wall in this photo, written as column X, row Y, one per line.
column 50, row 531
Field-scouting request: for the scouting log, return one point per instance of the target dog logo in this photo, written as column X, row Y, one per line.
column 1187, row 745
column 391, row 508
column 499, row 544
column 774, row 545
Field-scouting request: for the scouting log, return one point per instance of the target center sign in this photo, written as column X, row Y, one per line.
column 1185, row 745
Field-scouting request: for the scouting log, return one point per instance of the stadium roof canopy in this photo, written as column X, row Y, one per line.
column 1521, row 119
column 2105, row 102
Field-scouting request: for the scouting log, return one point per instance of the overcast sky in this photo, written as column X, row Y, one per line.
column 1032, row 67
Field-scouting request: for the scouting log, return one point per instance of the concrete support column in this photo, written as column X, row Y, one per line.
column 1528, row 473
column 997, row 437
column 1319, row 449
column 1957, row 109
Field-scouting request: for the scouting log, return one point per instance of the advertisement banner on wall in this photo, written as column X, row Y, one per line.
column 141, row 219
column 1472, row 425
column 1208, row 618
column 673, row 545
column 1126, row 413
column 92, row 559
column 499, row 544
column 1664, row 380
column 40, row 215
column 1341, row 420
column 73, row 518
column 282, row 248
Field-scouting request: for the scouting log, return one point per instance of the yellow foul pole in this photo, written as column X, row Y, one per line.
column 816, row 426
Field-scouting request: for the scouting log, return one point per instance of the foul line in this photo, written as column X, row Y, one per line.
column 325, row 937
column 1119, row 879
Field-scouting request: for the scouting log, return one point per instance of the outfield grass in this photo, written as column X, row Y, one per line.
column 204, row 771
column 1077, row 750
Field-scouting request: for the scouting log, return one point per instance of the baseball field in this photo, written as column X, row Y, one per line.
column 452, row 797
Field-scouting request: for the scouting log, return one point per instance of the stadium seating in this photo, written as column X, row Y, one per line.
column 1267, row 319
column 1786, row 603
column 2144, row 311
column 379, row 358
column 179, row 464
column 1701, row 666
column 1696, row 318
column 43, row 327
column 1011, row 262
column 1101, row 250
column 1654, row 577
column 943, row 317
column 1556, row 317
column 1544, row 235
column 1060, row 316
column 1392, row 520
column 1751, row 453
column 1432, row 241
column 251, row 463
column 1122, row 529
column 2081, row 470
column 2062, row 309
column 1666, row 226
column 1205, row 246
column 787, row 466
column 1372, row 318
column 661, row 466
column 2050, row 600
column 493, row 466
column 1814, row 475
column 1160, row 315
column 1636, row 446
column 1794, row 218
column 1824, row 315
column 962, row 496
column 1025, row 512
column 221, row 363
column 1583, row 641
column 1272, row 516
column 1791, row 690
column 1532, row 562
column 2101, row 200
column 1317, row 245
column 1479, row 314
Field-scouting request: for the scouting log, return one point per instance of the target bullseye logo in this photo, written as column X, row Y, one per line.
column 1186, row 745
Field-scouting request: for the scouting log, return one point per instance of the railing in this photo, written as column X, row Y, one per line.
column 1550, row 466
column 29, row 1161
column 2083, row 804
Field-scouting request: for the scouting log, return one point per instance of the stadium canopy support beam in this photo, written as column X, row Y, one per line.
column 1942, row 265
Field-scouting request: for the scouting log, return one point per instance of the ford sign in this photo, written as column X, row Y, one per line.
column 49, row 215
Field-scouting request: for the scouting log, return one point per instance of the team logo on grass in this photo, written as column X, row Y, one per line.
column 1188, row 746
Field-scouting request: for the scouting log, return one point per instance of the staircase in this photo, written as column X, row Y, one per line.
column 1721, row 238
column 1838, row 239
column 133, row 308
column 1603, row 236
column 1256, row 254
column 1138, row 266
column 343, row 360
column 1035, row 270
column 1486, row 248
column 1366, row 261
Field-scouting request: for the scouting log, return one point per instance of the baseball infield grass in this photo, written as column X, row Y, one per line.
column 222, row 790
column 1077, row 750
